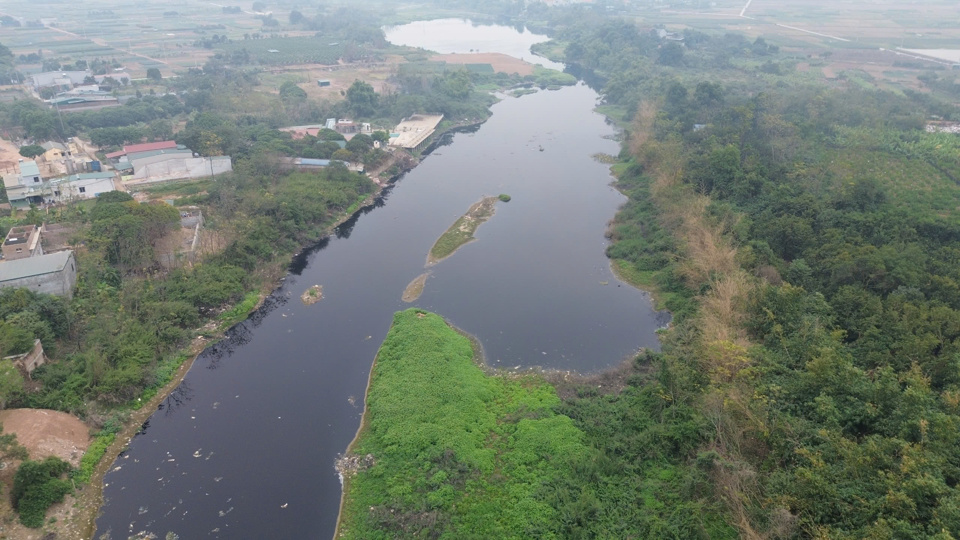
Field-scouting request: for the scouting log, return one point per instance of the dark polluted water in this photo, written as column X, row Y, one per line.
column 246, row 445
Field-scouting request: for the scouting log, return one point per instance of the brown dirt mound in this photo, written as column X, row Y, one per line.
column 48, row 433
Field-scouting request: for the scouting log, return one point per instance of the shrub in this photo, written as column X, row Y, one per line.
column 36, row 486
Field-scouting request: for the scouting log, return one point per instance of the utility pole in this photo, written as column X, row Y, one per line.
column 63, row 130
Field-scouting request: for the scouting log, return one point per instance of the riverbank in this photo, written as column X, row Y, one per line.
column 464, row 425
column 462, row 230
column 89, row 497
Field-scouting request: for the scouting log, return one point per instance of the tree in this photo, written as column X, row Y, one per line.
column 296, row 17
column 344, row 155
column 11, row 386
column 360, row 144
column 291, row 93
column 362, row 98
column 36, row 486
column 382, row 136
column 154, row 73
column 31, row 151
column 671, row 54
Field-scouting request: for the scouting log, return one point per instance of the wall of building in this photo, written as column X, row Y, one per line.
column 175, row 169
column 149, row 160
column 59, row 283
column 91, row 188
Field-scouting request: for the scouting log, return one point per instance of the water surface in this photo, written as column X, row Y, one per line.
column 245, row 447
column 460, row 36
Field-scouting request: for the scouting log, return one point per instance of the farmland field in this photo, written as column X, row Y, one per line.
column 286, row 51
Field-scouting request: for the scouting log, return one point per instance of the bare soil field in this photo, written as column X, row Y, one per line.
column 341, row 76
column 500, row 62
column 9, row 155
column 44, row 433
column 48, row 433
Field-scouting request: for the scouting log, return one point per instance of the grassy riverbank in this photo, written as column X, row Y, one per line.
column 462, row 230
column 467, row 457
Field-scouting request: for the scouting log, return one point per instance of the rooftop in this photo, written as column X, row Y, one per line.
column 133, row 156
column 50, row 145
column 34, row 266
column 90, row 176
column 19, row 235
column 145, row 147
column 415, row 129
column 29, row 168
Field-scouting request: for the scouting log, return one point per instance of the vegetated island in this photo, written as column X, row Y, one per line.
column 312, row 295
column 469, row 456
column 461, row 232
column 415, row 288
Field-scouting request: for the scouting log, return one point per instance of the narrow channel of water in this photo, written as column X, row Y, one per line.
column 245, row 447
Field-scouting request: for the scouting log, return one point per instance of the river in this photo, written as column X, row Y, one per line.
column 245, row 447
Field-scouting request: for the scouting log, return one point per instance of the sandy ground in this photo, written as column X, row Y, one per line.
column 500, row 62
column 48, row 433
column 44, row 433
column 415, row 288
column 9, row 155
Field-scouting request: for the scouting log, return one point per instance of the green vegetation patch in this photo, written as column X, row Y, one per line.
column 290, row 50
column 36, row 486
column 455, row 452
column 462, row 230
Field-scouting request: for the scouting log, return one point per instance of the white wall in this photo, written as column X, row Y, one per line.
column 174, row 169
column 70, row 191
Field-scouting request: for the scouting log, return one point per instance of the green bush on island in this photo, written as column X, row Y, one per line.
column 468, row 457
column 504, row 197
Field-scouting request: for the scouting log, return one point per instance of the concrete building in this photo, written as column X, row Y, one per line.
column 83, row 186
column 144, row 147
column 60, row 190
column 31, row 359
column 54, row 151
column 84, row 101
column 412, row 133
column 60, row 79
column 22, row 242
column 177, row 167
column 29, row 173
column 164, row 161
column 55, row 273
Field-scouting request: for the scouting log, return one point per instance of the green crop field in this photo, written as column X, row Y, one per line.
column 291, row 50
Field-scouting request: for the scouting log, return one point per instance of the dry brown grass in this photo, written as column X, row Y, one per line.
column 708, row 259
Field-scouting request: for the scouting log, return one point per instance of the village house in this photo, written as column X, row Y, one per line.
column 164, row 161
column 54, row 151
column 22, row 242
column 28, row 187
column 63, row 80
column 55, row 273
